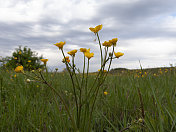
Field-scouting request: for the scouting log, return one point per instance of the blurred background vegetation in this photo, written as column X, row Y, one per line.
column 22, row 56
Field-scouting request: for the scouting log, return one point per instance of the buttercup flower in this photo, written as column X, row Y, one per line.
column 29, row 61
column 66, row 59
column 103, row 71
column 84, row 50
column 96, row 29
column 113, row 41
column 44, row 61
column 107, row 44
column 89, row 55
column 105, row 93
column 118, row 54
column 19, row 69
column 60, row 44
column 72, row 52
column 15, row 58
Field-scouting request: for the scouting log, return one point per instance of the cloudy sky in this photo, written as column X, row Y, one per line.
column 146, row 29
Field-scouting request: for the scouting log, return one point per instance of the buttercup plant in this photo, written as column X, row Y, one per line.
column 85, row 95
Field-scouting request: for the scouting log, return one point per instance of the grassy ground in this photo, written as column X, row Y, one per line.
column 136, row 101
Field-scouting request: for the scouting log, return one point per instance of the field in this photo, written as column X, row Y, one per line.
column 136, row 100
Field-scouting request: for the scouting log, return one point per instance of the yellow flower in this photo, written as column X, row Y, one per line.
column 15, row 75
column 44, row 61
column 15, row 58
column 118, row 54
column 113, row 41
column 107, row 44
column 60, row 44
column 89, row 55
column 29, row 61
column 19, row 52
column 105, row 93
column 72, row 52
column 66, row 59
column 96, row 29
column 140, row 120
column 84, row 50
column 19, row 69
column 103, row 71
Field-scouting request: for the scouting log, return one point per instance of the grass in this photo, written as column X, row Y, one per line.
column 31, row 106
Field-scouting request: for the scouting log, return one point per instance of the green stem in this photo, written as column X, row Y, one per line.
column 74, row 89
column 100, row 48
column 63, row 101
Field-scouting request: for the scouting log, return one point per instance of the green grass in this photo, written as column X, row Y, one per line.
column 31, row 106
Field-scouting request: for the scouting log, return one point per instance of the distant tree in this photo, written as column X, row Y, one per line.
column 25, row 57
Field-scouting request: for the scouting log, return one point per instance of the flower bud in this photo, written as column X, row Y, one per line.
column 28, row 80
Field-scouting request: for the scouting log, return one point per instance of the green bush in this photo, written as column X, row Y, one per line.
column 25, row 57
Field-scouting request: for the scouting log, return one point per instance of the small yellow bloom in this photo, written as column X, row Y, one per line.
column 84, row 50
column 15, row 58
column 15, row 75
column 29, row 61
column 113, row 41
column 103, row 70
column 19, row 52
column 118, row 54
column 107, row 44
column 140, row 120
column 72, row 52
column 89, row 55
column 60, row 44
column 66, row 59
column 19, row 69
column 96, row 29
column 105, row 93
column 154, row 74
column 44, row 61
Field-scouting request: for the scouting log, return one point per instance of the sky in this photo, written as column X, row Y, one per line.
column 146, row 29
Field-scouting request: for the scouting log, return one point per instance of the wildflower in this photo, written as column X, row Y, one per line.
column 66, row 59
column 103, row 70
column 19, row 52
column 113, row 41
column 15, row 76
column 33, row 71
column 72, row 52
column 96, row 29
column 107, row 44
column 89, row 55
column 19, row 69
column 118, row 54
column 60, row 44
column 84, row 50
column 140, row 120
column 29, row 61
column 44, row 61
column 105, row 93
column 15, row 58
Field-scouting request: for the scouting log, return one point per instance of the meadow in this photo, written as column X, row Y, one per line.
column 135, row 100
